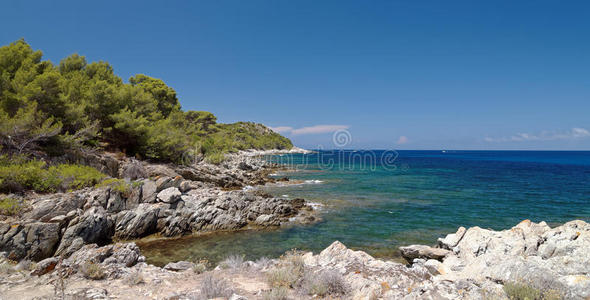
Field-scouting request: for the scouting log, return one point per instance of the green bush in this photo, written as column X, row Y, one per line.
column 76, row 176
column 10, row 206
column 116, row 184
column 215, row 158
column 18, row 174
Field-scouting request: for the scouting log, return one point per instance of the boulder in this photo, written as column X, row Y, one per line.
column 179, row 266
column 169, row 195
column 120, row 254
column 138, row 222
column 187, row 185
column 34, row 241
column 451, row 240
column 45, row 266
column 149, row 190
column 264, row 220
column 421, row 251
column 93, row 226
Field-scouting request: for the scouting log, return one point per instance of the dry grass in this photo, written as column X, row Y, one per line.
column 213, row 287
column 93, row 271
column 201, row 266
column 289, row 272
column 325, row 282
column 524, row 291
column 263, row 262
column 277, row 293
column 282, row 277
column 233, row 262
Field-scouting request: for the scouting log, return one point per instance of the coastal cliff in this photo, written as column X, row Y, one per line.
column 529, row 260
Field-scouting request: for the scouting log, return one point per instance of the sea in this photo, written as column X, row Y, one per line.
column 379, row 200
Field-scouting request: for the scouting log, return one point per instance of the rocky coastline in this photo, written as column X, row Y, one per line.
column 75, row 245
column 475, row 263
column 152, row 199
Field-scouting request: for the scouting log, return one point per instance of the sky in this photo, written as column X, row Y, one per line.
column 350, row 74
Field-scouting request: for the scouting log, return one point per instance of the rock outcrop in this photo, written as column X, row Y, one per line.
column 177, row 200
column 477, row 265
column 421, row 251
column 548, row 259
column 473, row 263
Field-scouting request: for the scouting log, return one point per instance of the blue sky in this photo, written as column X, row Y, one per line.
column 401, row 75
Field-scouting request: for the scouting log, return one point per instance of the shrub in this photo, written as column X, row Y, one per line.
column 263, row 262
column 294, row 259
column 524, row 291
column 288, row 272
column 323, row 283
column 10, row 206
column 118, row 185
column 76, row 176
column 201, row 266
column 282, row 277
column 234, row 262
column 277, row 293
column 212, row 287
column 92, row 271
column 18, row 174
column 215, row 158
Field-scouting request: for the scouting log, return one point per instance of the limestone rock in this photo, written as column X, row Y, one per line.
column 421, row 251
column 179, row 266
column 452, row 240
column 169, row 195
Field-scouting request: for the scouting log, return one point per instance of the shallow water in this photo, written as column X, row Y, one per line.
column 377, row 204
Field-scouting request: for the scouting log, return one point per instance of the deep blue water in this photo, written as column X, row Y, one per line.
column 375, row 203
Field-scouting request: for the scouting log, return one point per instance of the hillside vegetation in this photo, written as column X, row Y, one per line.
column 56, row 113
column 49, row 110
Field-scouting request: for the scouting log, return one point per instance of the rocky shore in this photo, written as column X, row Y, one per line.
column 147, row 199
column 528, row 260
column 73, row 246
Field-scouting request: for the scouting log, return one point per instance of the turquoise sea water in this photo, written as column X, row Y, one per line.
column 377, row 201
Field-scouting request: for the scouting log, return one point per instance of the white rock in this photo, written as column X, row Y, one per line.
column 169, row 195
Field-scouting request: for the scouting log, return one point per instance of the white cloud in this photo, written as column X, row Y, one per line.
column 316, row 129
column 282, row 129
column 402, row 140
column 574, row 133
column 319, row 129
